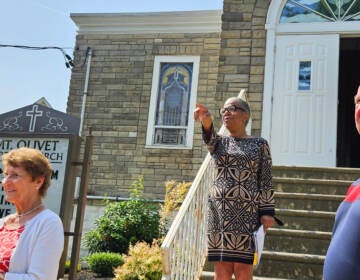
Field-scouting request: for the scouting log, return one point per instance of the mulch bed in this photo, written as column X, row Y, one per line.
column 88, row 275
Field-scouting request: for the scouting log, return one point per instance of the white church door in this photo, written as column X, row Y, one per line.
column 305, row 94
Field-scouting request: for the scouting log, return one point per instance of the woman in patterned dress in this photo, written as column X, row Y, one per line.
column 241, row 196
column 32, row 239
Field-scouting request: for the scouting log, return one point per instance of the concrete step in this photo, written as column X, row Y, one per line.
column 305, row 201
column 297, row 241
column 283, row 265
column 290, row 265
column 306, row 219
column 311, row 186
column 209, row 275
column 331, row 173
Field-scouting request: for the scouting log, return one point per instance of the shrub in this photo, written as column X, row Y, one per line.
column 103, row 263
column 124, row 223
column 174, row 196
column 142, row 263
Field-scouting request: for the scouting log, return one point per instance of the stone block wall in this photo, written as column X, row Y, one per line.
column 242, row 54
column 119, row 90
column 117, row 107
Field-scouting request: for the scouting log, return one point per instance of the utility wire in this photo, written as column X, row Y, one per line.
column 68, row 60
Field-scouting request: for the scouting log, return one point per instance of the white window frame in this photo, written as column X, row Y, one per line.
column 154, row 96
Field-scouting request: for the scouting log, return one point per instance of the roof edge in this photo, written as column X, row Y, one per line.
column 205, row 21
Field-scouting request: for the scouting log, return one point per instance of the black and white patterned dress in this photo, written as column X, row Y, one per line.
column 241, row 192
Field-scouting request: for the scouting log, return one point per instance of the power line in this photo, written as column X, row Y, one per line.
column 68, row 60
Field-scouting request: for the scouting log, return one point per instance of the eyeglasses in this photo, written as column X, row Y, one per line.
column 230, row 109
column 12, row 177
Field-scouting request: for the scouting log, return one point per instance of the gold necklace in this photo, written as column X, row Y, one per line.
column 29, row 212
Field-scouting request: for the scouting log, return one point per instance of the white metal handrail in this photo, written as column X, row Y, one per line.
column 184, row 248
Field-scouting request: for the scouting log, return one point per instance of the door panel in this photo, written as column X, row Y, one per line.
column 303, row 129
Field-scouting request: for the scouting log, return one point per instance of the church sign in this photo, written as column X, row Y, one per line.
column 55, row 134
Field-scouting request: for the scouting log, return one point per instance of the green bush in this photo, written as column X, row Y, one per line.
column 124, row 223
column 143, row 263
column 104, row 263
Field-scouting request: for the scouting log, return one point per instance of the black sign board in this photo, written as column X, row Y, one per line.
column 38, row 119
column 52, row 132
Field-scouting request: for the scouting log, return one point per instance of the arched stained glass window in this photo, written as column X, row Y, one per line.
column 320, row 11
column 173, row 94
column 173, row 102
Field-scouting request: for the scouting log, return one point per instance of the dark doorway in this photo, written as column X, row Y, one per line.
column 348, row 140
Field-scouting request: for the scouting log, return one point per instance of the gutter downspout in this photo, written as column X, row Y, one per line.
column 86, row 83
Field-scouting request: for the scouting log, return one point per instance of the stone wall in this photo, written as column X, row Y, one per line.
column 117, row 107
column 242, row 55
column 120, row 84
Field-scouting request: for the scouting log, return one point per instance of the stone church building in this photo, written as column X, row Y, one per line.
column 137, row 77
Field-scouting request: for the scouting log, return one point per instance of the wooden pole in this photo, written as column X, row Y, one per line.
column 80, row 210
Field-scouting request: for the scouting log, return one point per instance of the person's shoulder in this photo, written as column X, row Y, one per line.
column 356, row 183
column 222, row 137
column 51, row 214
column 353, row 192
column 47, row 216
column 259, row 140
column 262, row 139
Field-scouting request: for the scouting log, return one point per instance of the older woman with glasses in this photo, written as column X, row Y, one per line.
column 31, row 239
column 241, row 197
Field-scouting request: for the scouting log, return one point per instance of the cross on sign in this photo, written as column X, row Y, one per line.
column 33, row 114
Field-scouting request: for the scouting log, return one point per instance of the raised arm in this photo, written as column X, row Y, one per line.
column 202, row 114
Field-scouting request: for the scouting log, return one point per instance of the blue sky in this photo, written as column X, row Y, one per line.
column 27, row 75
